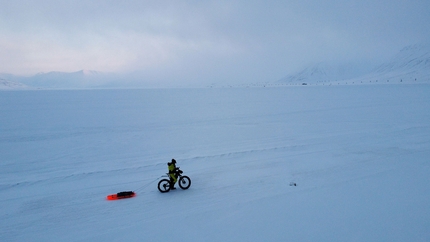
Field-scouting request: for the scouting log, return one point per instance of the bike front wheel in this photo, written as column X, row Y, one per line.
column 164, row 185
column 184, row 182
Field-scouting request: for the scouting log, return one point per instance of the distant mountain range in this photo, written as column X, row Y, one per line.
column 412, row 63
column 10, row 85
column 63, row 80
column 325, row 72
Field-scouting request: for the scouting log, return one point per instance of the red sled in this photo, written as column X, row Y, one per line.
column 121, row 195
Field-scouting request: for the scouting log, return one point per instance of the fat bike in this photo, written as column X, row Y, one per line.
column 184, row 182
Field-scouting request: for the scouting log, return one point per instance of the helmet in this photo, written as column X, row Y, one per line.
column 173, row 161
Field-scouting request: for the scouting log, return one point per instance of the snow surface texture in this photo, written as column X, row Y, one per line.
column 359, row 156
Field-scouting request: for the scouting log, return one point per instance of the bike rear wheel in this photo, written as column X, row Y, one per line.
column 184, row 182
column 164, row 185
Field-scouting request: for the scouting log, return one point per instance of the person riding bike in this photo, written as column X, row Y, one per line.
column 173, row 176
column 173, row 173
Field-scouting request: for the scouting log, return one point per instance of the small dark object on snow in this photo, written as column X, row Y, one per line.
column 293, row 184
column 125, row 194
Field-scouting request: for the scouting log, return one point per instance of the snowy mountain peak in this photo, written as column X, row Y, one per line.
column 325, row 72
column 413, row 58
column 411, row 63
column 317, row 73
column 10, row 85
column 89, row 72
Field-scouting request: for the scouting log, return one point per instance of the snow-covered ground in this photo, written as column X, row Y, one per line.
column 358, row 154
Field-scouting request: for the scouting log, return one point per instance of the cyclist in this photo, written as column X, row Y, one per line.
column 172, row 173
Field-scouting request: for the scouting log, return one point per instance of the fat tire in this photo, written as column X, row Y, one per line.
column 164, row 185
column 184, row 182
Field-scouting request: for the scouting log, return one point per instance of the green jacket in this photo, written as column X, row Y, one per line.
column 172, row 168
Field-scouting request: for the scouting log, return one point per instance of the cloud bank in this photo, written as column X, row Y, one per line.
column 209, row 41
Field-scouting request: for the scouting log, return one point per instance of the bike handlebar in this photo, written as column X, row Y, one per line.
column 177, row 172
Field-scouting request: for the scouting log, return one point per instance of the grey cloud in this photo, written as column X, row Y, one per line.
column 204, row 40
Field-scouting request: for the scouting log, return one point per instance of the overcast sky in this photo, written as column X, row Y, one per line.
column 204, row 41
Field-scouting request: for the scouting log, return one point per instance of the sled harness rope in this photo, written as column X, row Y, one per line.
column 146, row 185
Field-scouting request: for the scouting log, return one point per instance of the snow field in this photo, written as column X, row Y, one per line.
column 359, row 157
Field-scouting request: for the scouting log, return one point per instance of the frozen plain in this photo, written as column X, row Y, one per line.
column 358, row 154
